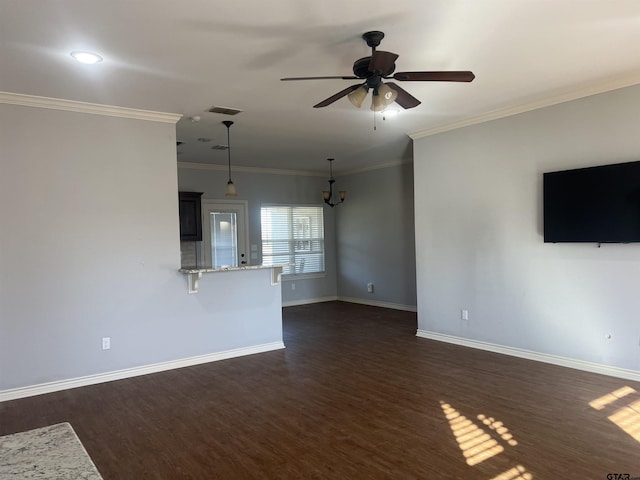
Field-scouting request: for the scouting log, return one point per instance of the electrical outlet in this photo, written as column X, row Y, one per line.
column 293, row 286
column 370, row 287
column 464, row 314
column 106, row 343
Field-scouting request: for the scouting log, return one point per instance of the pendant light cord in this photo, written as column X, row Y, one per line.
column 228, row 124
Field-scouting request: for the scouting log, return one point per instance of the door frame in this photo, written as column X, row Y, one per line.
column 241, row 209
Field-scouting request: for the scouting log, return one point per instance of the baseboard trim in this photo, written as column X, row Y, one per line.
column 374, row 303
column 309, row 301
column 30, row 391
column 536, row 356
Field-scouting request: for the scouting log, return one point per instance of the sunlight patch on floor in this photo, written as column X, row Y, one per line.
column 600, row 403
column 626, row 417
column 499, row 428
column 476, row 444
column 516, row 473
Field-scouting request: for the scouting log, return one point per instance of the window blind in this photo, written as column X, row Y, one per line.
column 293, row 234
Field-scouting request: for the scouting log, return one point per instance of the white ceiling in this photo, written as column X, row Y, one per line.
column 186, row 56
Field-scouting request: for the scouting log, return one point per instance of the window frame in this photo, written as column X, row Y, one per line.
column 293, row 253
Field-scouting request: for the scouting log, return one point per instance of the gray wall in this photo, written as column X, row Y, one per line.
column 375, row 237
column 89, row 247
column 479, row 236
column 369, row 238
column 259, row 188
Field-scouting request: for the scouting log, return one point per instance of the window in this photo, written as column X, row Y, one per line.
column 293, row 234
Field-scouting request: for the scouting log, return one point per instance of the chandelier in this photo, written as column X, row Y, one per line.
column 327, row 195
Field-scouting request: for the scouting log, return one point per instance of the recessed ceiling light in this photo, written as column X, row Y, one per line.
column 86, row 57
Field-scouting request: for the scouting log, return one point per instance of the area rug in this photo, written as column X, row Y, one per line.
column 53, row 452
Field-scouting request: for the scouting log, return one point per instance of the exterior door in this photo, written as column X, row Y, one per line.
column 225, row 233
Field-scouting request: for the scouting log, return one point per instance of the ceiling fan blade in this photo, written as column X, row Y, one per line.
column 404, row 99
column 318, row 78
column 382, row 62
column 452, row 76
column 337, row 96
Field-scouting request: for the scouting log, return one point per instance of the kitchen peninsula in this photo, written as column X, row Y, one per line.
column 195, row 274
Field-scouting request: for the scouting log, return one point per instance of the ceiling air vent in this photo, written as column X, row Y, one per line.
column 225, row 110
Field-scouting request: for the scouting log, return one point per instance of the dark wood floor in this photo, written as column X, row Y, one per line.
column 354, row 395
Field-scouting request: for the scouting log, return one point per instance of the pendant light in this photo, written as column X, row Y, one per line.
column 231, row 188
column 328, row 194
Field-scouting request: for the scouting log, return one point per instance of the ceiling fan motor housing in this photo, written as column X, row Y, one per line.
column 361, row 68
column 373, row 38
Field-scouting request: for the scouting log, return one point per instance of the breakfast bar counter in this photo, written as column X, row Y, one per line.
column 194, row 274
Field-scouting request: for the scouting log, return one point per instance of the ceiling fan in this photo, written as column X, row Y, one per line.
column 378, row 67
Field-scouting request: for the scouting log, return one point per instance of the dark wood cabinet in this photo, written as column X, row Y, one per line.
column 190, row 216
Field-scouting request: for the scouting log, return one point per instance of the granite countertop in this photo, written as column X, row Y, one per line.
column 229, row 269
column 194, row 273
column 54, row 453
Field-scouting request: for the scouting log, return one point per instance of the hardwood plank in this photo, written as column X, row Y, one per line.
column 354, row 395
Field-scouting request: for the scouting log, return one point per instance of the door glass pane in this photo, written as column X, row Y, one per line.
column 224, row 239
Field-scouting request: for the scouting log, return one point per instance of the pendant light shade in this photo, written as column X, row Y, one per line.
column 387, row 93
column 382, row 96
column 231, row 188
column 376, row 103
column 358, row 95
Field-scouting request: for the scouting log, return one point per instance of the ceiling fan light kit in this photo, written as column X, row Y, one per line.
column 378, row 67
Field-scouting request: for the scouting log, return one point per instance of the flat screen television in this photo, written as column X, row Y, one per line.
column 595, row 204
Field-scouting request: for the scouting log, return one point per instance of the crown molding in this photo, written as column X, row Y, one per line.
column 240, row 168
column 369, row 168
column 84, row 107
column 595, row 89
column 276, row 171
